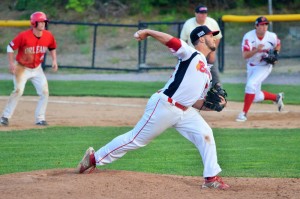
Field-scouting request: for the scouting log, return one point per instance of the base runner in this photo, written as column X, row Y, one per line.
column 31, row 45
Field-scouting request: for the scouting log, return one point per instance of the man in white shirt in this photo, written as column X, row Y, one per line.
column 201, row 18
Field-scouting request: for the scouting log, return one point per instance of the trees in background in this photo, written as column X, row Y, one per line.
column 106, row 8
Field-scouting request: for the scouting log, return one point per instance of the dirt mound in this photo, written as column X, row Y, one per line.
column 126, row 184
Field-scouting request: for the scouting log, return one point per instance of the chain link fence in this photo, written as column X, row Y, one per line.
column 112, row 46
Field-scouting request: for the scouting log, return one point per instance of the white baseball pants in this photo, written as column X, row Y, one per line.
column 40, row 83
column 158, row 116
column 255, row 77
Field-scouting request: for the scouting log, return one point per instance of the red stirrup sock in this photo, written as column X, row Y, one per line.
column 270, row 96
column 248, row 99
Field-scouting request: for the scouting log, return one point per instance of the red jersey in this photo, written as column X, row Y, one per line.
column 32, row 49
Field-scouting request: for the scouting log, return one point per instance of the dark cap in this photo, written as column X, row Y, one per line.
column 200, row 31
column 261, row 20
column 201, row 9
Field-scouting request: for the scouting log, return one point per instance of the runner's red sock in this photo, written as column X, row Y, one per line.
column 269, row 96
column 248, row 99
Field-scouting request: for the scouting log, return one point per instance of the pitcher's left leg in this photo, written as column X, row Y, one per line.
column 195, row 129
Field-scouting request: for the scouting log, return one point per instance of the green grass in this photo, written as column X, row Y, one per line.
column 241, row 152
column 140, row 89
column 90, row 88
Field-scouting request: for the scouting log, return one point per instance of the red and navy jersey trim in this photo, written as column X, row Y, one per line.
column 182, row 68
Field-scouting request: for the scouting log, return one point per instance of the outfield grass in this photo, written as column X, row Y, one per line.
column 141, row 89
column 241, row 152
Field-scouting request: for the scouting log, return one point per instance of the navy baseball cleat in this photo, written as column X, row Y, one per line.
column 4, row 121
column 42, row 123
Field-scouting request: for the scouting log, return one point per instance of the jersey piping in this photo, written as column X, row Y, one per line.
column 182, row 68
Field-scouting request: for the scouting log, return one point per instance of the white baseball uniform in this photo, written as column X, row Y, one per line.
column 171, row 107
column 31, row 52
column 39, row 81
column 257, row 69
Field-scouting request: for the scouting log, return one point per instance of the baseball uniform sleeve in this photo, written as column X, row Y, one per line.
column 278, row 41
column 16, row 42
column 180, row 48
column 246, row 45
column 52, row 44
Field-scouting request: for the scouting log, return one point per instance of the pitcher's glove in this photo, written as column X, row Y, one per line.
column 214, row 99
column 272, row 57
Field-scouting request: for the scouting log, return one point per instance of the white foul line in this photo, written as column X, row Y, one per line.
column 134, row 105
column 78, row 102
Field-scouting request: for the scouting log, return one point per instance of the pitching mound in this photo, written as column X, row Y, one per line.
column 125, row 184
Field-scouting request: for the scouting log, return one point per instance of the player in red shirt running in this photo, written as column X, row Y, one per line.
column 31, row 45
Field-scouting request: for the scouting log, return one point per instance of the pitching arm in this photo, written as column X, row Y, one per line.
column 160, row 36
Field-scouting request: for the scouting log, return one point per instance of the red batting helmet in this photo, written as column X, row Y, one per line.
column 38, row 17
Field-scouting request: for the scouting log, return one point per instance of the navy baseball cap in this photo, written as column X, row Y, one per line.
column 200, row 31
column 261, row 20
column 201, row 9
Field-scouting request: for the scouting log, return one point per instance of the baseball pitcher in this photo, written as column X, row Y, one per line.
column 172, row 106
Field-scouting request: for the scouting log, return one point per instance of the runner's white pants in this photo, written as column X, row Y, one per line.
column 39, row 81
column 158, row 116
column 255, row 77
